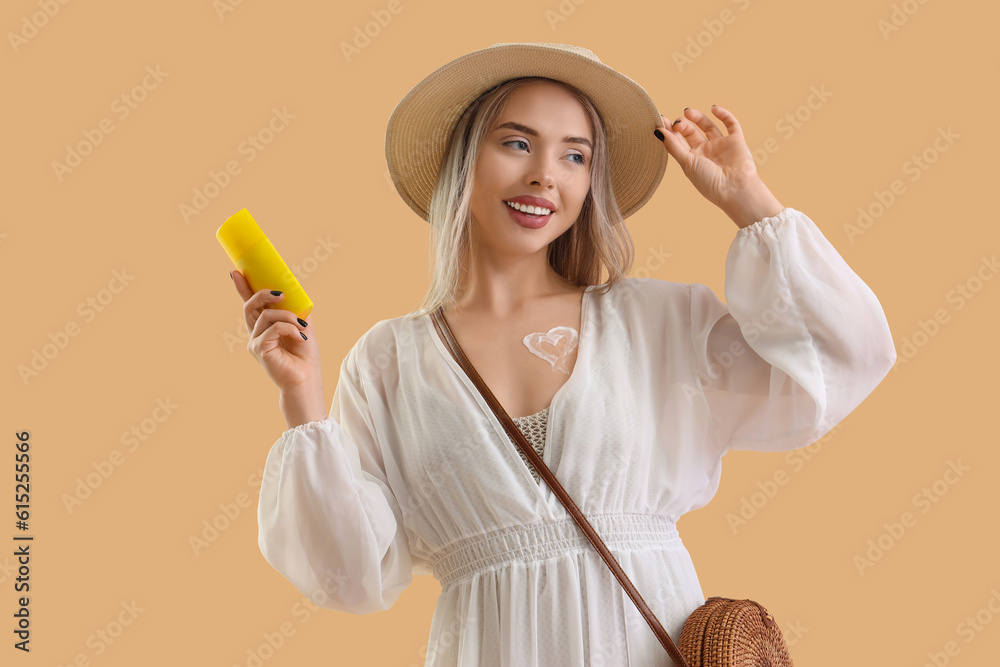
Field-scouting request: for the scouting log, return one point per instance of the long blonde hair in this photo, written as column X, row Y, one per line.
column 598, row 239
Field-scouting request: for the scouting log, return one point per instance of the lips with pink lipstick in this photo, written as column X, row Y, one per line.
column 527, row 215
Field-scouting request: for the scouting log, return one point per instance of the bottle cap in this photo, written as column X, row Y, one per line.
column 239, row 233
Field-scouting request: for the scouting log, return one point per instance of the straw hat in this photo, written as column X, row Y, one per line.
column 422, row 122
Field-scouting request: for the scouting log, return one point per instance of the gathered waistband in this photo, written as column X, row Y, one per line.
column 538, row 541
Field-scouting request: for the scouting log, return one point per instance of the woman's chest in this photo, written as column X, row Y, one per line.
column 524, row 360
column 524, row 370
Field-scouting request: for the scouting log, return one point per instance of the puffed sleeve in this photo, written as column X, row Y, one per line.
column 328, row 521
column 800, row 342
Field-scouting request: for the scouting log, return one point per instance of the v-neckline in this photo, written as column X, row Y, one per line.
column 583, row 343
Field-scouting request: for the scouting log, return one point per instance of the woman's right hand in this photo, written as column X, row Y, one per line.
column 288, row 351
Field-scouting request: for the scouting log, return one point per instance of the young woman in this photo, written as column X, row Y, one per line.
column 526, row 159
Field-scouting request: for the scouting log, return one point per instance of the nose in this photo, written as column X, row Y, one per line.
column 541, row 170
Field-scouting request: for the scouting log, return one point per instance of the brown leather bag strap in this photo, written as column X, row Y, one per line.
column 441, row 324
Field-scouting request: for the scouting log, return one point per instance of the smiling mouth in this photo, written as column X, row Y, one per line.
column 528, row 220
column 533, row 208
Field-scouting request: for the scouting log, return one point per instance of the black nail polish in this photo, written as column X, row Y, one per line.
column 276, row 292
column 659, row 135
column 231, row 275
column 686, row 108
column 303, row 336
column 302, row 321
column 676, row 121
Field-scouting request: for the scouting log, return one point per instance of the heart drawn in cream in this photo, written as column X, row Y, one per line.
column 562, row 340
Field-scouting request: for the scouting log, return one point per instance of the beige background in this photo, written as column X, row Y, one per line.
column 172, row 332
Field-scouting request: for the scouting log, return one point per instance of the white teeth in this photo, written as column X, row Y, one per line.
column 529, row 209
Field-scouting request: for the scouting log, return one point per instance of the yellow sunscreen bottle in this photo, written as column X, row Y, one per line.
column 252, row 253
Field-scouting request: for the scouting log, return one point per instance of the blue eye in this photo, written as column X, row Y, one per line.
column 582, row 160
column 515, row 141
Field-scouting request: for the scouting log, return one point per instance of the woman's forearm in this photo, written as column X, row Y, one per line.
column 303, row 404
column 755, row 203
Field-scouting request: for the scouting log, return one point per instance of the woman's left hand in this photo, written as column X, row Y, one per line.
column 721, row 167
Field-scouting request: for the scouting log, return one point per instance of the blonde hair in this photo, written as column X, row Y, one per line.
column 597, row 239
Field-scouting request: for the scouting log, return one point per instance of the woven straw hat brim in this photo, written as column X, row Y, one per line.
column 421, row 124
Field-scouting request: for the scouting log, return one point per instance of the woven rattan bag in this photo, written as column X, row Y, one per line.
column 723, row 632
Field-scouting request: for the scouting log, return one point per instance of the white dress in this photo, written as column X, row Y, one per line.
column 411, row 473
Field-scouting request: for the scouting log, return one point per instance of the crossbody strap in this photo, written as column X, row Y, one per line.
column 441, row 324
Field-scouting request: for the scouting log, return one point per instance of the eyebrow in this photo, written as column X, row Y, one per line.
column 527, row 130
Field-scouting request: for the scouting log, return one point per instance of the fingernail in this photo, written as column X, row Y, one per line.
column 276, row 292
column 302, row 321
column 659, row 135
column 676, row 121
column 303, row 336
column 686, row 108
column 230, row 275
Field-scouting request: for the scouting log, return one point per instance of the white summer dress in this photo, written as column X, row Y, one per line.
column 412, row 474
